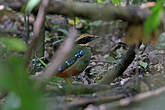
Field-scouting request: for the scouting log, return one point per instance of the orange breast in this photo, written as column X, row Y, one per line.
column 68, row 72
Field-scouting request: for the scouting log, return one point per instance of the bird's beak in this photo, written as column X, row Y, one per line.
column 95, row 37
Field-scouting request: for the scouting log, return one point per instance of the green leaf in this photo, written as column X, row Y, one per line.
column 86, row 22
column 95, row 23
column 127, row 2
column 42, row 62
column 144, row 64
column 147, row 74
column 135, row 1
column 56, row 79
column 110, row 58
column 14, row 78
column 153, row 19
column 74, row 21
column 117, row 2
column 63, row 31
column 13, row 44
column 99, row 1
column 30, row 5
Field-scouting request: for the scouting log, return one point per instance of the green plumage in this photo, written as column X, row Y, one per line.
column 79, row 62
column 84, row 60
column 78, row 58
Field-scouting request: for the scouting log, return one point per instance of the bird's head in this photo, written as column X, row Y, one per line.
column 85, row 39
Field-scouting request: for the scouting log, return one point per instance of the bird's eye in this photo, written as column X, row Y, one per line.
column 85, row 40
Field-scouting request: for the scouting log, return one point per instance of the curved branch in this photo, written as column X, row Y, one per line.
column 91, row 11
column 120, row 67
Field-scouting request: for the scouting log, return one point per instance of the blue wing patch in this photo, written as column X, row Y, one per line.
column 71, row 61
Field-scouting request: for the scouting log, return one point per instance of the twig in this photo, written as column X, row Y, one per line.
column 101, row 100
column 58, row 58
column 110, row 62
column 77, row 89
column 92, row 11
column 140, row 97
column 36, row 30
column 26, row 19
column 120, row 67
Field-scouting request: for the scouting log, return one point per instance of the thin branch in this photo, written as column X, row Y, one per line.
column 77, row 89
column 58, row 58
column 92, row 11
column 36, row 30
column 120, row 67
column 139, row 97
column 100, row 100
column 109, row 62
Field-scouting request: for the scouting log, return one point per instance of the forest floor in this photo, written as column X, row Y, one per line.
column 145, row 73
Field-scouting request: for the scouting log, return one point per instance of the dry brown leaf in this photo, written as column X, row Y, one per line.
column 135, row 34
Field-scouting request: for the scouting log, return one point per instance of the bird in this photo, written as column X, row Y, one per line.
column 78, row 58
